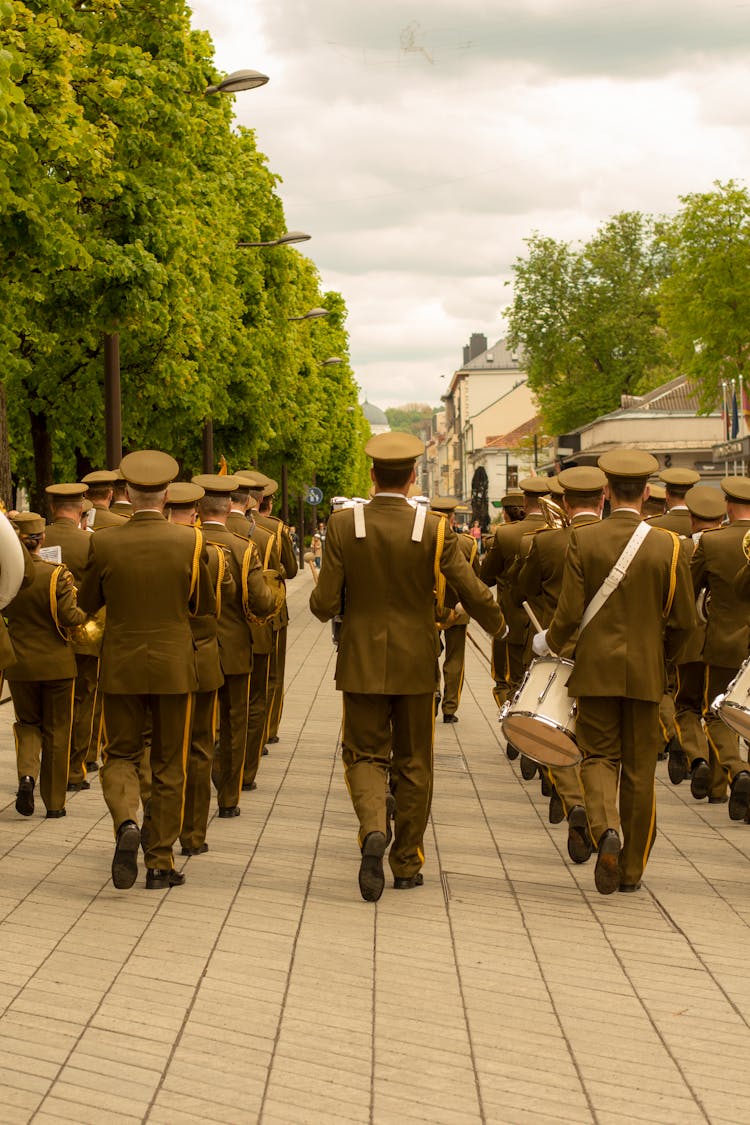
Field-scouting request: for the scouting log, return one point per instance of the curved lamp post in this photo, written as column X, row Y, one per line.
column 285, row 239
column 238, row 80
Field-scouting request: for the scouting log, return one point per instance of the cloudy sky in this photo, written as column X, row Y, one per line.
column 421, row 142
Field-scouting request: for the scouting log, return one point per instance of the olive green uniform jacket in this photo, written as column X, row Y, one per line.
column 41, row 651
column 151, row 575
column 73, row 543
column 540, row 577
column 676, row 519
column 388, row 639
column 714, row 566
column 496, row 570
column 620, row 653
column 99, row 518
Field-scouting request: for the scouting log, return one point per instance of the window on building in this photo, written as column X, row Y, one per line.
column 512, row 481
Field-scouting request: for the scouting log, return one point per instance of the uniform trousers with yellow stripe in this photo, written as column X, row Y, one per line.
column 44, row 716
column 620, row 740
column 87, row 674
column 257, row 715
column 690, row 690
column 124, row 721
column 390, row 736
column 200, row 759
column 229, row 762
column 276, row 672
column 454, row 640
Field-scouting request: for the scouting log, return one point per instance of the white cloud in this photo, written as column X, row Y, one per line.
column 420, row 149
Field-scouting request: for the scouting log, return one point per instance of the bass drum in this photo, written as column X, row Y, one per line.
column 11, row 562
column 733, row 707
column 540, row 719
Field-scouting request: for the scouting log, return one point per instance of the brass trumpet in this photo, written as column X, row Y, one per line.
column 554, row 514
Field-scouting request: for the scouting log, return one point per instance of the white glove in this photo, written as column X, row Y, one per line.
column 539, row 645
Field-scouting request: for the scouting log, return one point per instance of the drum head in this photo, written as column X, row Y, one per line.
column 542, row 741
column 737, row 718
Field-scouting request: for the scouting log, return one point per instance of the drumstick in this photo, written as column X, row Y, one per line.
column 533, row 618
column 479, row 648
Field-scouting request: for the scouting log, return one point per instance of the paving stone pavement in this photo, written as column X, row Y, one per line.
column 265, row 990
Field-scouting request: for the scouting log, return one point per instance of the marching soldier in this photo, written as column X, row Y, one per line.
column 66, row 503
column 101, row 492
column 623, row 582
column 495, row 570
column 454, row 625
column 152, row 576
column 181, row 506
column 707, row 508
column 252, row 599
column 264, row 489
column 676, row 516
column 540, row 582
column 714, row 565
column 41, row 680
column 121, row 506
column 386, row 558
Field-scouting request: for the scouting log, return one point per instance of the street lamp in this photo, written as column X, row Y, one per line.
column 285, row 239
column 311, row 314
column 238, row 80
column 332, row 361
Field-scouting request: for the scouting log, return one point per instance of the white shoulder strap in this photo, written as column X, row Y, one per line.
column 417, row 531
column 616, row 574
column 360, row 532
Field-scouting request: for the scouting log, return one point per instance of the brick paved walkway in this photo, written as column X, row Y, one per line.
column 504, row 990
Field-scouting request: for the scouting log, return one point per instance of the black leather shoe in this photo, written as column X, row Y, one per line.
column 55, row 814
column 264, row 752
column 450, row 718
column 528, row 768
column 371, row 877
column 25, row 796
column 556, row 810
column 739, row 797
column 405, row 883
column 92, row 767
column 157, row 880
column 511, row 753
column 230, row 810
column 248, row 786
column 580, row 846
column 195, row 851
column 77, row 786
column 722, row 801
column 629, row 888
column 677, row 766
column 125, row 860
column 607, row 871
column 273, row 740
column 700, row 779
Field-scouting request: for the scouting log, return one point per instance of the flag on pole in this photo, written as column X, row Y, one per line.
column 735, row 412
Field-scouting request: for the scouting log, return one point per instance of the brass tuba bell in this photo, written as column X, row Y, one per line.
column 554, row 514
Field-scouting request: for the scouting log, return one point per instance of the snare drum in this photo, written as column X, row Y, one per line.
column 540, row 719
column 733, row 707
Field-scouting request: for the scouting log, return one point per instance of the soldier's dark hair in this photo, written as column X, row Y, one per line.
column 627, row 488
column 514, row 513
column 678, row 491
column 239, row 497
column 387, row 476
column 584, row 499
column 99, row 491
column 213, row 505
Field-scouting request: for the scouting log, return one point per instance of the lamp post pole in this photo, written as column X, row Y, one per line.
column 112, row 400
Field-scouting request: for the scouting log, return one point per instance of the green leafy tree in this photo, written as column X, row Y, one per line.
column 411, row 418
column 586, row 319
column 705, row 302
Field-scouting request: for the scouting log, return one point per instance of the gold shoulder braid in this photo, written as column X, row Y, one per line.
column 221, row 562
column 440, row 582
column 53, row 600
column 672, row 572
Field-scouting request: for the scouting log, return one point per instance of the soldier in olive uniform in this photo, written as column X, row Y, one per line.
column 495, row 570
column 101, row 492
column 707, row 508
column 252, row 599
column 263, row 489
column 714, row 566
column 152, row 576
column 455, row 622
column 386, row 559
column 181, row 509
column 41, row 679
column 66, row 503
column 120, row 505
column 618, row 677
column 540, row 582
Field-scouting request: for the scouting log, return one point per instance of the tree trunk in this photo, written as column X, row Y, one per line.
column 42, row 443
column 83, row 465
column 6, row 485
